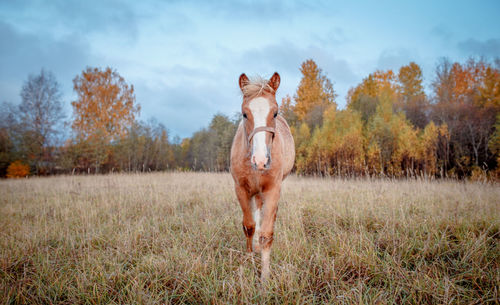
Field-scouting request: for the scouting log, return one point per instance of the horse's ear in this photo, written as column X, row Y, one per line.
column 274, row 82
column 243, row 81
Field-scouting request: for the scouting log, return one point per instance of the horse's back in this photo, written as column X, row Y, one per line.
column 288, row 145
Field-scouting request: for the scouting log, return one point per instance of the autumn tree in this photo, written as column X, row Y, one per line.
column 428, row 150
column 105, row 108
column 365, row 97
column 394, row 139
column 302, row 138
column 466, row 99
column 314, row 94
column 412, row 99
column 18, row 169
column 336, row 148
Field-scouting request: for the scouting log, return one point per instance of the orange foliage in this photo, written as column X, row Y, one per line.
column 489, row 92
column 105, row 105
column 18, row 169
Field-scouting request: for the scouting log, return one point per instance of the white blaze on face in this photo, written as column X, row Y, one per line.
column 260, row 110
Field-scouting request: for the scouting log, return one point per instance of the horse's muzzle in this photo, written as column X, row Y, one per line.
column 261, row 162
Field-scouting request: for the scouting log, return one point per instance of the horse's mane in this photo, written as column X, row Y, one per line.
column 256, row 86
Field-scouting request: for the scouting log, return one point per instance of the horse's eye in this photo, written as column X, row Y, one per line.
column 245, row 115
column 275, row 114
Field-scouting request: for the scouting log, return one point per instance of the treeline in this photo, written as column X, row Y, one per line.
column 104, row 135
column 390, row 127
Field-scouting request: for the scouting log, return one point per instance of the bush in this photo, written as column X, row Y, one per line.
column 18, row 169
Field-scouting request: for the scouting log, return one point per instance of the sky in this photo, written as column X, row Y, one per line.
column 184, row 57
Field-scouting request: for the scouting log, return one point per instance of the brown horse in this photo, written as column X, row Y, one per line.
column 262, row 155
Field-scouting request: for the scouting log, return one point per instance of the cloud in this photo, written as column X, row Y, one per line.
column 489, row 48
column 186, row 106
column 77, row 17
column 442, row 32
column 260, row 10
column 336, row 36
column 22, row 54
column 287, row 57
column 395, row 58
column 184, row 98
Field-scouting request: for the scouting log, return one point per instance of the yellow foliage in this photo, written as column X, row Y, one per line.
column 335, row 148
column 315, row 90
column 373, row 159
column 410, row 79
column 374, row 85
column 478, row 174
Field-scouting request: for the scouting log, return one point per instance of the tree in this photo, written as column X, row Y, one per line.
column 209, row 148
column 337, row 146
column 314, row 94
column 287, row 111
column 365, row 97
column 302, row 137
column 40, row 114
column 412, row 99
column 6, row 150
column 8, row 126
column 428, row 151
column 494, row 144
column 145, row 147
column 223, row 129
column 396, row 141
column 467, row 100
column 105, row 108
column 18, row 169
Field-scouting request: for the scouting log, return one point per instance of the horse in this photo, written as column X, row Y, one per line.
column 262, row 156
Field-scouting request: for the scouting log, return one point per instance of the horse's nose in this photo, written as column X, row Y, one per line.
column 261, row 162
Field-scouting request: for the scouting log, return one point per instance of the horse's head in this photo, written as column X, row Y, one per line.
column 259, row 110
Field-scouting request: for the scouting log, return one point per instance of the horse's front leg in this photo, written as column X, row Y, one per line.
column 270, row 208
column 256, row 217
column 248, row 223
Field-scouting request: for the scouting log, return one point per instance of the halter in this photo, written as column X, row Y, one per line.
column 260, row 129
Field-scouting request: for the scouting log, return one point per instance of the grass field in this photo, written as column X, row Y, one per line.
column 177, row 238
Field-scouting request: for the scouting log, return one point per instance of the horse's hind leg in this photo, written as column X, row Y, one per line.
column 248, row 222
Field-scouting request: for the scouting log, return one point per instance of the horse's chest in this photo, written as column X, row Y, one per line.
column 254, row 184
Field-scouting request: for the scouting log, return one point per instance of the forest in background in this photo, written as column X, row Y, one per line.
column 390, row 127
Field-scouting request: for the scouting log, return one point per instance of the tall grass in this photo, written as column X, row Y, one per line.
column 177, row 238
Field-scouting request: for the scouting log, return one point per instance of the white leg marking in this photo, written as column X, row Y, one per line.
column 256, row 218
column 266, row 257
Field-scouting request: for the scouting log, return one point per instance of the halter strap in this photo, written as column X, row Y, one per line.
column 259, row 129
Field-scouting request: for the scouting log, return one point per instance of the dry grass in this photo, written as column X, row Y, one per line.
column 177, row 238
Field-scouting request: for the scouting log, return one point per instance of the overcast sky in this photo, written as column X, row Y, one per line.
column 184, row 57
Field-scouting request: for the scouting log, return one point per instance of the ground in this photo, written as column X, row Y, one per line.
column 177, row 238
